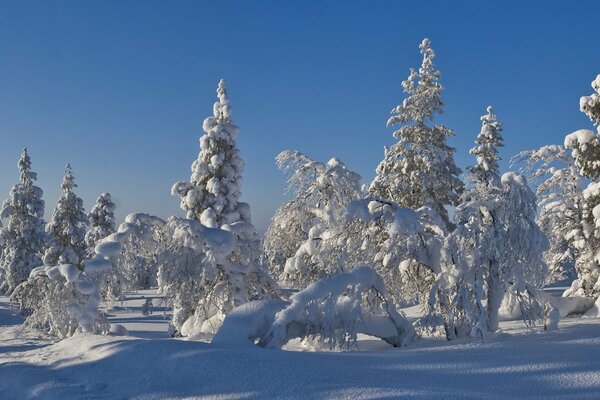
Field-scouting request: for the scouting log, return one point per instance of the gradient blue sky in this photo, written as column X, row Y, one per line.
column 120, row 88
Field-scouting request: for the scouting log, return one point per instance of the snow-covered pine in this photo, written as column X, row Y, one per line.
column 489, row 139
column 231, row 275
column 102, row 221
column 495, row 250
column 322, row 192
column 585, row 146
column 559, row 190
column 212, row 194
column 67, row 227
column 419, row 169
column 23, row 238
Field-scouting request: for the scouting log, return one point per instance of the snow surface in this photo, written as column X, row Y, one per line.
column 147, row 364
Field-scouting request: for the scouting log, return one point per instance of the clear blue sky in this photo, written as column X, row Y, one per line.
column 120, row 88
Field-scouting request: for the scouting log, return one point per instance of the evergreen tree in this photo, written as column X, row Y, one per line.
column 102, row 219
column 419, row 169
column 67, row 227
column 486, row 170
column 23, row 237
column 498, row 246
column 585, row 146
column 205, row 284
column 560, row 197
column 212, row 195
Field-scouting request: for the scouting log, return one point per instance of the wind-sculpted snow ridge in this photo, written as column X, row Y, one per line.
column 335, row 310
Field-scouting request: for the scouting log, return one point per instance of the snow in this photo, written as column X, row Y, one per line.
column 580, row 136
column 515, row 364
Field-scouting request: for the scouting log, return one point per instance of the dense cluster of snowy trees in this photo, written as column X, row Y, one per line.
column 467, row 251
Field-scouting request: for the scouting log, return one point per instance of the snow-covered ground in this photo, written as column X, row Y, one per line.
column 148, row 364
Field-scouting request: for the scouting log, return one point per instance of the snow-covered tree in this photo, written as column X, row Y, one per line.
column 401, row 244
column 559, row 189
column 585, row 146
column 67, row 227
column 23, row 238
column 419, row 170
column 64, row 299
column 496, row 249
column 212, row 195
column 288, row 230
column 489, row 139
column 204, row 274
column 102, row 220
column 205, row 282
column 322, row 193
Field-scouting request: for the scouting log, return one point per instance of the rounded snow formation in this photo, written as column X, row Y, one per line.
column 580, row 136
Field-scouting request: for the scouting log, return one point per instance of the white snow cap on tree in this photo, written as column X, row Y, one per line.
column 486, row 170
column 212, row 195
column 23, row 238
column 419, row 169
column 67, row 227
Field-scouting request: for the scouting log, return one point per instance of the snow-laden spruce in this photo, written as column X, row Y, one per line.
column 205, row 282
column 102, row 221
column 495, row 251
column 212, row 194
column 489, row 139
column 585, row 147
column 67, row 227
column 419, row 170
column 322, row 192
column 559, row 189
column 23, row 238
